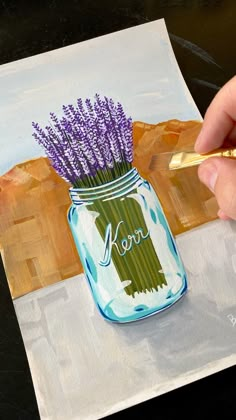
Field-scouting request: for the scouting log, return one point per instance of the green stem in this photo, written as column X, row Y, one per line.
column 140, row 264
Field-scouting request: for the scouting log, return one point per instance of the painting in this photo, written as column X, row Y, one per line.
column 72, row 213
column 37, row 245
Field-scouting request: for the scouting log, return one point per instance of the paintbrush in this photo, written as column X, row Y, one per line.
column 183, row 159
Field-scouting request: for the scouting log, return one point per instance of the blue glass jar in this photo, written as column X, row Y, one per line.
column 126, row 248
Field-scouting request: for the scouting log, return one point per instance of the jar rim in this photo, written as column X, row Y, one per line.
column 106, row 191
column 115, row 182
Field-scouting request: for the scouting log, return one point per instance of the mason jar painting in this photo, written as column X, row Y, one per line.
column 123, row 239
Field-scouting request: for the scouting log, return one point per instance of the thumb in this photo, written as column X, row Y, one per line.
column 219, row 175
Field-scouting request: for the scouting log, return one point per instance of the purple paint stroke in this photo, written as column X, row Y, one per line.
column 102, row 136
column 126, row 133
column 111, row 131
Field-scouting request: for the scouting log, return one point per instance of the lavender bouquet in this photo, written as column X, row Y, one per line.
column 91, row 144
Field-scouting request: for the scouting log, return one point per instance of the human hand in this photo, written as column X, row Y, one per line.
column 219, row 129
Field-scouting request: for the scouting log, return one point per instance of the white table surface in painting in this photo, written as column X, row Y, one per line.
column 86, row 368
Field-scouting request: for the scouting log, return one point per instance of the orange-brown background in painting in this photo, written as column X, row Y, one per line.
column 35, row 240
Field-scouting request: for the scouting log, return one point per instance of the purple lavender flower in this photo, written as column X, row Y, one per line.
column 125, row 127
column 89, row 140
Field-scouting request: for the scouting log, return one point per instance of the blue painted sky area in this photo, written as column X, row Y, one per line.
column 135, row 66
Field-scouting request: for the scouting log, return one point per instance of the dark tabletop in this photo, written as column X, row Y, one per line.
column 203, row 35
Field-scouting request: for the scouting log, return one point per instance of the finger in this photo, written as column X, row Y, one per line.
column 219, row 174
column 232, row 134
column 219, row 120
column 222, row 215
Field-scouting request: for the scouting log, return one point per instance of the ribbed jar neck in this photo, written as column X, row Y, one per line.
column 114, row 189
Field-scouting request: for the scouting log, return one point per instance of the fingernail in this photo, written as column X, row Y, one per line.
column 207, row 173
